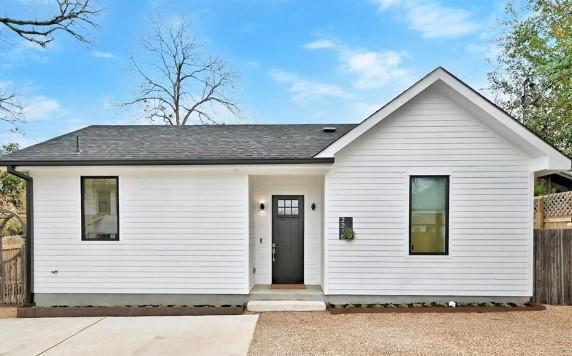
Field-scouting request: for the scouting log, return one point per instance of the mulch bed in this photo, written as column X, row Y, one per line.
column 122, row 311
column 373, row 308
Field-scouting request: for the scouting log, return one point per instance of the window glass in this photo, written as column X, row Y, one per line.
column 429, row 215
column 288, row 207
column 99, row 206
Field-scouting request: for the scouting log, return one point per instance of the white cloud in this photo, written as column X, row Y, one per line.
column 23, row 140
column 431, row 17
column 385, row 4
column 320, row 44
column 39, row 108
column 103, row 55
column 14, row 54
column 366, row 109
column 487, row 50
column 303, row 90
column 374, row 69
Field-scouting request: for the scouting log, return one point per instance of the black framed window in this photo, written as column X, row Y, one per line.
column 429, row 215
column 100, row 208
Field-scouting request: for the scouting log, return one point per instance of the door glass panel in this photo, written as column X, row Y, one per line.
column 288, row 203
column 280, row 211
column 295, row 203
column 288, row 211
column 280, row 202
column 294, row 211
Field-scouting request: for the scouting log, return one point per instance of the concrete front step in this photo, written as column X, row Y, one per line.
column 267, row 293
column 285, row 305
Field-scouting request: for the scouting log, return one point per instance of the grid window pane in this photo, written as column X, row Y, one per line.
column 280, row 202
column 429, row 215
column 295, row 203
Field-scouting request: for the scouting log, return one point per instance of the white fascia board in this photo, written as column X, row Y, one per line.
column 547, row 157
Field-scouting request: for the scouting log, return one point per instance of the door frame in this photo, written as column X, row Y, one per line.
column 301, row 198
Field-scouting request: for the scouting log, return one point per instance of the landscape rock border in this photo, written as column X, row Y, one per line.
column 434, row 308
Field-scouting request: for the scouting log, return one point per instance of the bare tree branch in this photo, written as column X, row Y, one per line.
column 71, row 14
column 11, row 111
column 179, row 85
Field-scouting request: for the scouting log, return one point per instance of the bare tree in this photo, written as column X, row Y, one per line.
column 11, row 111
column 71, row 16
column 179, row 84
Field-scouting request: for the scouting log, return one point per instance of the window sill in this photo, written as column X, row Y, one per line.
column 429, row 257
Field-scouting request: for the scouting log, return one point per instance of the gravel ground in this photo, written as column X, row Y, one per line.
column 515, row 333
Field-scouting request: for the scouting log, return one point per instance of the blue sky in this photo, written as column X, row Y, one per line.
column 299, row 61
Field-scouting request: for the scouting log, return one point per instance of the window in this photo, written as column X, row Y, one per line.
column 288, row 207
column 100, row 208
column 429, row 215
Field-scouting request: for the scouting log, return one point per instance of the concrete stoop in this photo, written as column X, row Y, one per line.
column 285, row 305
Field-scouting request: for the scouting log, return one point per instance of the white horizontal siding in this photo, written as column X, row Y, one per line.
column 181, row 232
column 490, row 236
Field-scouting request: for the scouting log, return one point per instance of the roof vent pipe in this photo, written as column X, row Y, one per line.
column 77, row 146
column 329, row 129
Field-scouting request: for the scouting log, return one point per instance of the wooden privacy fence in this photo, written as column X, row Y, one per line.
column 553, row 211
column 13, row 278
column 12, row 261
column 553, row 266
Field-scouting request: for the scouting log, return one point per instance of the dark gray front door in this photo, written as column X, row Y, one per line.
column 288, row 239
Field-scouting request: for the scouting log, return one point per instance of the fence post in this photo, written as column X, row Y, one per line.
column 540, row 214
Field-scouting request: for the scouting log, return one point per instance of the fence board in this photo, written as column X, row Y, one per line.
column 553, row 266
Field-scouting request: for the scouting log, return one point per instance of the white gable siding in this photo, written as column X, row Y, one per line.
column 182, row 231
column 490, row 219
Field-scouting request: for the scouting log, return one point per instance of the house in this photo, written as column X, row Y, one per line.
column 435, row 188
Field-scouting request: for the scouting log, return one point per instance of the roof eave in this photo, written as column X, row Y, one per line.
column 51, row 163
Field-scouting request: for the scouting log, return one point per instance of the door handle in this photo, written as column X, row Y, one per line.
column 274, row 252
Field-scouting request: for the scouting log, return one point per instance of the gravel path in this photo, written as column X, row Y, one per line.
column 526, row 333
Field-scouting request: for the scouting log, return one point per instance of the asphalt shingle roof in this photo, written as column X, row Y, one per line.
column 189, row 143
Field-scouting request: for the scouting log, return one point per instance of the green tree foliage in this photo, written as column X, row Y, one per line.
column 12, row 189
column 541, row 188
column 533, row 78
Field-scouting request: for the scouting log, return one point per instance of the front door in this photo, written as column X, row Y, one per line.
column 287, row 239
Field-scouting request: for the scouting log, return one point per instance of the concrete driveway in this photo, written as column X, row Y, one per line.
column 165, row 335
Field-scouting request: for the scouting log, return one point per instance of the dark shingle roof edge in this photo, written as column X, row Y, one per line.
column 113, row 145
column 181, row 162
